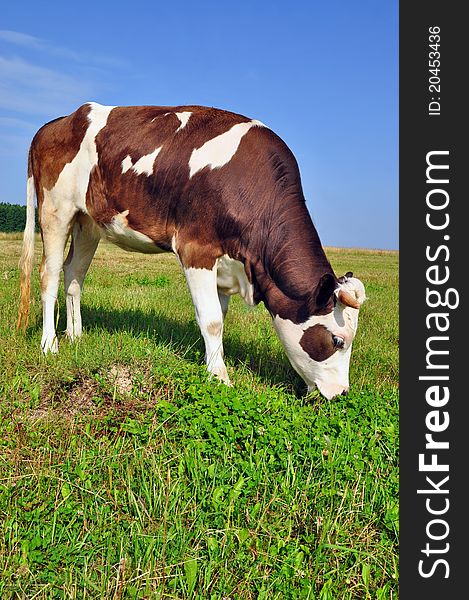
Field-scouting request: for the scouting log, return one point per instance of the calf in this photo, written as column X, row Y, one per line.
column 222, row 192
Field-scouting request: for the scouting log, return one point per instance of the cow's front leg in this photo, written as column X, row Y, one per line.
column 208, row 312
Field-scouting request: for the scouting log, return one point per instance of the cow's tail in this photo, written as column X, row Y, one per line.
column 27, row 253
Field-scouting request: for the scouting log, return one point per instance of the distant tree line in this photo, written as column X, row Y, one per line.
column 13, row 217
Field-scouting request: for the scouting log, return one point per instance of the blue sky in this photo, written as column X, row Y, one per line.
column 323, row 75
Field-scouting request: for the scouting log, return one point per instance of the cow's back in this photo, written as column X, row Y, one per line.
column 201, row 175
column 203, row 180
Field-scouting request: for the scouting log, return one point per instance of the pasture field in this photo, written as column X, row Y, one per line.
column 125, row 473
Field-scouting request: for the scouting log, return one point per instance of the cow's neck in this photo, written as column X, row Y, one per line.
column 289, row 265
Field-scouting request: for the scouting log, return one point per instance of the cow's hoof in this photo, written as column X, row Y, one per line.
column 222, row 374
column 50, row 344
column 72, row 335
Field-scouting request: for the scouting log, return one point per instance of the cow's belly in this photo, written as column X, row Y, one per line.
column 232, row 279
column 118, row 232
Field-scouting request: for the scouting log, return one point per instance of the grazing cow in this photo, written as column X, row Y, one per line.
column 222, row 192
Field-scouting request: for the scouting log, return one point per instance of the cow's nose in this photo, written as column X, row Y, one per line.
column 332, row 390
column 345, row 392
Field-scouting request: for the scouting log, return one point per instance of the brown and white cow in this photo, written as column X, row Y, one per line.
column 222, row 192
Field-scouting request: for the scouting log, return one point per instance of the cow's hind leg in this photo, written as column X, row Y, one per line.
column 84, row 242
column 209, row 314
column 54, row 237
column 224, row 302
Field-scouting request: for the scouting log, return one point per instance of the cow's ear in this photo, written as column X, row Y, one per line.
column 323, row 292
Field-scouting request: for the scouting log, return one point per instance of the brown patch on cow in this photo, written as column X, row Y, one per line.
column 98, row 206
column 56, row 144
column 198, row 255
column 318, row 343
column 214, row 328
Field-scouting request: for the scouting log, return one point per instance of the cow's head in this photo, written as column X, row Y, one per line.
column 319, row 348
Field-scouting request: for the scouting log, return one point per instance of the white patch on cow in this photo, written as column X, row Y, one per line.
column 69, row 192
column 331, row 375
column 220, row 150
column 174, row 244
column 208, row 311
column 159, row 116
column 183, row 118
column 126, row 164
column 232, row 279
column 144, row 164
column 118, row 232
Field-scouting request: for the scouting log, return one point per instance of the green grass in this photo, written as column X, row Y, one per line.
column 126, row 473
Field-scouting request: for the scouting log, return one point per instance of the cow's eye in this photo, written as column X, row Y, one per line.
column 338, row 341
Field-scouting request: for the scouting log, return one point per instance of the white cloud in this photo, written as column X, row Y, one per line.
column 21, row 39
column 25, row 40
column 27, row 88
column 46, row 79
